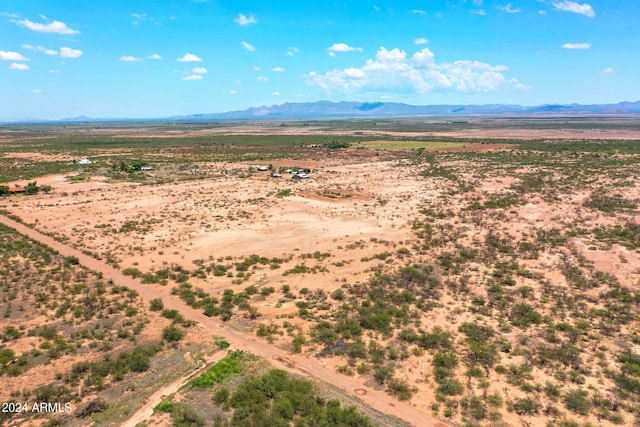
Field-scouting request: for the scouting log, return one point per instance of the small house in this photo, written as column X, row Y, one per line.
column 16, row 190
column 85, row 162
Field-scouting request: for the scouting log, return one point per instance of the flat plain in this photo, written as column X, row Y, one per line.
column 482, row 271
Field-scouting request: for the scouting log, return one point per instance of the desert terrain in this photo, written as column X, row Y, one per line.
column 442, row 272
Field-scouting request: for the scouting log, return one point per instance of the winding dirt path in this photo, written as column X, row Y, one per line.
column 146, row 411
column 376, row 399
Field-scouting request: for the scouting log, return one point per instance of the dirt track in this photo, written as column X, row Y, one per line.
column 377, row 400
column 146, row 411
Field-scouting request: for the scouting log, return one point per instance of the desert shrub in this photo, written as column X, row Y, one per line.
column 298, row 341
column 608, row 203
column 278, row 400
column 450, row 387
column 324, row 332
column 50, row 393
column 221, row 396
column 448, row 360
column 156, row 304
column 399, row 388
column 526, row 406
column 437, row 339
column 6, row 355
column 133, row 272
column 266, row 291
column 578, row 401
column 226, row 368
column 338, row 295
column 185, row 416
column 474, row 407
column 172, row 333
column 383, row 373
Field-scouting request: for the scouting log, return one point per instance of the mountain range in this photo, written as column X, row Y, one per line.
column 327, row 109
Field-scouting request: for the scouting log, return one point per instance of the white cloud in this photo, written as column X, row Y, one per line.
column 128, row 58
column 480, row 12
column 37, row 91
column 276, row 93
column 392, row 71
column 420, row 40
column 256, row 68
column 41, row 49
column 189, row 57
column 572, row 6
column 54, row 71
column 608, row 70
column 67, row 52
column 262, row 79
column 21, row 67
column 154, row 56
column 292, row 51
column 233, row 92
column 277, row 69
column 12, row 56
column 509, row 9
column 139, row 17
column 576, row 46
column 193, row 77
column 418, row 12
column 243, row 20
column 199, row 70
column 247, row 46
column 343, row 47
column 52, row 27
column 542, row 12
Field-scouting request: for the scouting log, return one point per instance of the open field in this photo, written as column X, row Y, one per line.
column 484, row 271
column 410, row 145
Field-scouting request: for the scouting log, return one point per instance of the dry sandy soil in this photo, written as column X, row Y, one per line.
column 232, row 216
column 350, row 210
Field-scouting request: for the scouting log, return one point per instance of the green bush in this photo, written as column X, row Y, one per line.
column 275, row 399
column 578, row 401
column 523, row 316
column 133, row 272
column 450, row 387
column 221, row 371
column 526, row 406
column 221, row 396
column 156, row 304
column 172, row 333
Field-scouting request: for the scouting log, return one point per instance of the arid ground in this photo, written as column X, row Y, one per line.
column 462, row 272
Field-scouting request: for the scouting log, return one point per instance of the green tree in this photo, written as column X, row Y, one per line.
column 32, row 188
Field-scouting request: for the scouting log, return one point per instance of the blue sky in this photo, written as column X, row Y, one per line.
column 122, row 58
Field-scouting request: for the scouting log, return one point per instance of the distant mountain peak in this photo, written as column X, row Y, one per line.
column 347, row 109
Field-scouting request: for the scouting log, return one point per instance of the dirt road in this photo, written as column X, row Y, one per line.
column 146, row 411
column 376, row 399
